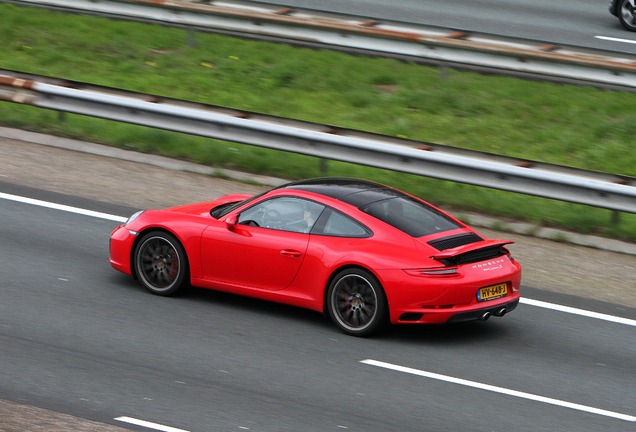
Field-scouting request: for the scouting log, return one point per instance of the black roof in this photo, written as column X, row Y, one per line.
column 356, row 192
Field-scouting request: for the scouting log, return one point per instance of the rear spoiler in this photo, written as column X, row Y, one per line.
column 472, row 252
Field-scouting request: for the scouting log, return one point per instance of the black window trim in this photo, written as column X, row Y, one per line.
column 228, row 208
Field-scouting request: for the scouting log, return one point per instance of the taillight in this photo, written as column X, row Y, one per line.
column 445, row 271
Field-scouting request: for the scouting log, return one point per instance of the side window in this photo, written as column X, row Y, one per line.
column 283, row 213
column 339, row 225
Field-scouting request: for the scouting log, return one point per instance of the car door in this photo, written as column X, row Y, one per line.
column 265, row 249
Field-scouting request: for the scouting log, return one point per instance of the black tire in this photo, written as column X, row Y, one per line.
column 626, row 15
column 161, row 263
column 356, row 302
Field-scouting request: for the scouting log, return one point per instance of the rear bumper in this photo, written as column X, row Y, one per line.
column 437, row 300
column 459, row 314
column 477, row 314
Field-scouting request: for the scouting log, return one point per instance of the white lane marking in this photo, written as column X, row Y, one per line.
column 501, row 390
column 576, row 311
column 613, row 39
column 123, row 219
column 62, row 207
column 149, row 425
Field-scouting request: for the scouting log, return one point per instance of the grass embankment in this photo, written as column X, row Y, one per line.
column 561, row 124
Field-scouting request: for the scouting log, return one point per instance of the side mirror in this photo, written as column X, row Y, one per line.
column 231, row 222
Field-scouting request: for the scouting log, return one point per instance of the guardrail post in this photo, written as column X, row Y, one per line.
column 191, row 38
column 324, row 166
column 443, row 73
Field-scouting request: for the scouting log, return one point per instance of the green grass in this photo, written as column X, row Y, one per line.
column 562, row 124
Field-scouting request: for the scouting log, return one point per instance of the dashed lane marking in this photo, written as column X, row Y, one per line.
column 149, row 425
column 613, row 39
column 500, row 390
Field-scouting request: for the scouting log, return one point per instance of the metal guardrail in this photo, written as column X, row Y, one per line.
column 324, row 141
column 345, row 32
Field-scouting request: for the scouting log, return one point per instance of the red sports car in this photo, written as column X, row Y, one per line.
column 363, row 253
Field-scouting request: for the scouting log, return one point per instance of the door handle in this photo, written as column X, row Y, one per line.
column 290, row 253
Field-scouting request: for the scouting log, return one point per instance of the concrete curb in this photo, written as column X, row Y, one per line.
column 133, row 156
column 477, row 220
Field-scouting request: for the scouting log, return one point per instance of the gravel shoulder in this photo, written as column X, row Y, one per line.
column 15, row 417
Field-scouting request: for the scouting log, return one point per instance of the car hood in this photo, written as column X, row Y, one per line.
column 200, row 209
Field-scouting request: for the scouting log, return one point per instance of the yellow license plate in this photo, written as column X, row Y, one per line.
column 492, row 292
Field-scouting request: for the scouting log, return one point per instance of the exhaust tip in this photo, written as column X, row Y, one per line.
column 501, row 312
column 485, row 316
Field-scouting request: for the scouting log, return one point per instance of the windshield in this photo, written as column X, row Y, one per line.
column 220, row 211
column 410, row 216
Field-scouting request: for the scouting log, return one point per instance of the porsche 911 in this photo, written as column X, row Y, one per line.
column 362, row 253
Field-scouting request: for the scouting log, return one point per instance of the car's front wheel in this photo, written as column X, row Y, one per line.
column 626, row 14
column 356, row 302
column 161, row 263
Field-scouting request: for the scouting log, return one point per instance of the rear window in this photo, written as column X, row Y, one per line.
column 410, row 216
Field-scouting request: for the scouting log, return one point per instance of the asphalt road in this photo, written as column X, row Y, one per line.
column 570, row 22
column 79, row 338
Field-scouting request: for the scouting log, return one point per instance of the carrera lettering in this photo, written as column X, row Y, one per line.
column 493, row 268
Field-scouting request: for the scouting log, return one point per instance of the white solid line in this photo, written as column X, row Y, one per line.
column 149, row 425
column 501, row 390
column 576, row 311
column 123, row 219
column 612, row 39
column 62, row 207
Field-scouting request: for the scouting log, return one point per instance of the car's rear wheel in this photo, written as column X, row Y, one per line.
column 356, row 302
column 161, row 263
column 626, row 14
